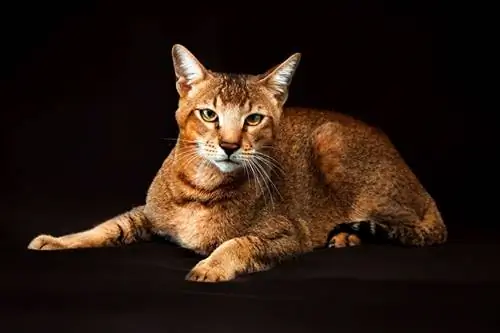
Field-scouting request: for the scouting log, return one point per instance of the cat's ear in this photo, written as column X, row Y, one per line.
column 188, row 70
column 279, row 78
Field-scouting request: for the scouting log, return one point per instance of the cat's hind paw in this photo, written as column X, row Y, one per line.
column 344, row 239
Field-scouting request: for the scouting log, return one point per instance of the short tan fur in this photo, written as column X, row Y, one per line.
column 251, row 182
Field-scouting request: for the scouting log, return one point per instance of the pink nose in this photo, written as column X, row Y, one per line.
column 229, row 147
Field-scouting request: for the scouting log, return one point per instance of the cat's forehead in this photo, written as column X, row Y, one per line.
column 231, row 93
column 232, row 89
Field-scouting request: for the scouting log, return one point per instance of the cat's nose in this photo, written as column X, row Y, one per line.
column 229, row 148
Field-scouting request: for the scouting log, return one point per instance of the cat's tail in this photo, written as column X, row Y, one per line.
column 430, row 230
column 407, row 231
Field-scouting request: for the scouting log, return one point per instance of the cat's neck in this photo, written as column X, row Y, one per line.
column 196, row 176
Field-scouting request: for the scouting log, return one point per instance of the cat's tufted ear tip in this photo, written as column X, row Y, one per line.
column 178, row 48
column 279, row 78
column 295, row 57
column 188, row 69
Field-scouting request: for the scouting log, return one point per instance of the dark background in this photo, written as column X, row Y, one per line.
column 89, row 95
column 91, row 89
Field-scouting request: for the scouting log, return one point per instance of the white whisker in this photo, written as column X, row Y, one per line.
column 269, row 179
column 270, row 160
column 265, row 179
column 258, row 185
column 180, row 140
column 188, row 158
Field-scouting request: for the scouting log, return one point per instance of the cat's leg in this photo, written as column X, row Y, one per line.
column 271, row 242
column 372, row 183
column 393, row 224
column 123, row 229
column 406, row 227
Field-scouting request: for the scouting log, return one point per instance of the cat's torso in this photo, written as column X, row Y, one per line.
column 303, row 195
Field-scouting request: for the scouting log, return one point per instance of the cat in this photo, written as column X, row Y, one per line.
column 252, row 182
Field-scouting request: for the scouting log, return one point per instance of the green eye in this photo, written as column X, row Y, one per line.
column 254, row 119
column 208, row 115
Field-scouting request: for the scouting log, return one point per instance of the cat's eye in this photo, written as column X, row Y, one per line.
column 254, row 119
column 208, row 115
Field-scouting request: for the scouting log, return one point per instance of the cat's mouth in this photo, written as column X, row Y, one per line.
column 229, row 161
column 227, row 165
column 226, row 160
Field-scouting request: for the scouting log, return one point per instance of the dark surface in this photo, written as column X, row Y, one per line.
column 88, row 94
column 454, row 288
column 141, row 288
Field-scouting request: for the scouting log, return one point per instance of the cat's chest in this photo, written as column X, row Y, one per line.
column 200, row 229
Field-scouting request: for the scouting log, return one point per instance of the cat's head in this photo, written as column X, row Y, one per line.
column 229, row 118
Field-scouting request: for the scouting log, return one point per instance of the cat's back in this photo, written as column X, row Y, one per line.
column 298, row 120
column 298, row 125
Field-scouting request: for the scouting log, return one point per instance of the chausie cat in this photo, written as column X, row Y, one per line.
column 250, row 183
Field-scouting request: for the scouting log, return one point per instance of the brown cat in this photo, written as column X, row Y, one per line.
column 250, row 183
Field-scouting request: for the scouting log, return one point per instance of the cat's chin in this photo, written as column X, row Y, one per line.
column 227, row 166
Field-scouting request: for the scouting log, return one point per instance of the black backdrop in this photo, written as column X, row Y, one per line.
column 91, row 88
column 88, row 95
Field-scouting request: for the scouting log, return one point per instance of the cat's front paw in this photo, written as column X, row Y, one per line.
column 210, row 271
column 45, row 242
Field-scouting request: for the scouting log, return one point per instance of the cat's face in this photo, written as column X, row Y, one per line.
column 229, row 120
